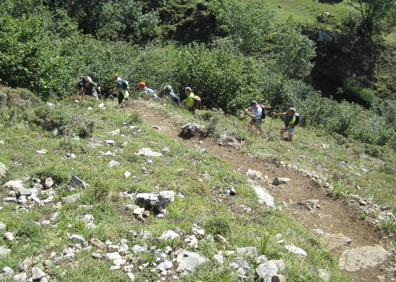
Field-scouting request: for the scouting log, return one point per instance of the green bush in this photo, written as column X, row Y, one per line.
column 218, row 226
column 353, row 91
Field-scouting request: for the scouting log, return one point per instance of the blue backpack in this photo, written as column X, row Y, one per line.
column 123, row 84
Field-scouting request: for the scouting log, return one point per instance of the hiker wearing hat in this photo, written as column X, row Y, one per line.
column 168, row 92
column 192, row 101
column 121, row 89
column 291, row 120
column 86, row 86
column 148, row 91
column 255, row 111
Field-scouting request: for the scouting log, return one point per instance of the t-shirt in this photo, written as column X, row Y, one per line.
column 290, row 120
column 258, row 112
column 190, row 100
column 148, row 91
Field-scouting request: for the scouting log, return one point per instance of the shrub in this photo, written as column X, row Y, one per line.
column 218, row 226
column 353, row 91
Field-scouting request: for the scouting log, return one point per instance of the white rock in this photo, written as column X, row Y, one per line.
column 77, row 239
column 219, row 259
column 37, row 273
column 113, row 163
column 137, row 249
column 247, row 251
column 254, row 174
column 191, row 241
column 264, row 197
column 164, row 266
column 4, row 251
column 266, row 270
column 138, row 211
column 77, row 182
column 41, row 152
column 169, row 235
column 189, row 261
column 2, row 226
column 109, row 142
column 20, row 277
column 119, row 262
column 97, row 243
column 113, row 256
column 9, row 236
column 127, row 174
column 131, row 276
column 72, row 198
column 48, row 183
column 296, row 250
column 14, row 185
column 147, row 152
column 7, row 271
column 3, row 170
column 324, row 275
column 115, row 132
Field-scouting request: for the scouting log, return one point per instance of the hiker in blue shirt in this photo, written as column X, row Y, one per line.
column 121, row 89
column 256, row 113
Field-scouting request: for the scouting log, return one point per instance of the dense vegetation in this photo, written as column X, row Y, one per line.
column 244, row 53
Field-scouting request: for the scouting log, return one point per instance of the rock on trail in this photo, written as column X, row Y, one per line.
column 362, row 258
column 264, row 196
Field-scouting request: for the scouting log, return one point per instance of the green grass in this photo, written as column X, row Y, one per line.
column 179, row 170
column 306, row 11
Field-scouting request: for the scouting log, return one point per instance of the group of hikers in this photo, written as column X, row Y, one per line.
column 256, row 111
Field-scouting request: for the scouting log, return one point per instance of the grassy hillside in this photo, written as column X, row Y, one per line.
column 43, row 230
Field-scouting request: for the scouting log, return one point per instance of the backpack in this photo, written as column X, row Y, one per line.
column 297, row 115
column 123, row 84
column 263, row 111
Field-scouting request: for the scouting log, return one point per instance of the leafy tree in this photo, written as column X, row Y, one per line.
column 377, row 15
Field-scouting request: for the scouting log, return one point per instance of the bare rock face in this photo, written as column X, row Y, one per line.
column 362, row 258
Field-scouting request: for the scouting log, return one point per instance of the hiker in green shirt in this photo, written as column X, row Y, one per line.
column 291, row 120
column 192, row 101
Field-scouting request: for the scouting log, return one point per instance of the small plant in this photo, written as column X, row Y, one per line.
column 218, row 226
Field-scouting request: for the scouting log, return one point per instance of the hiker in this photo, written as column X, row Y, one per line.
column 256, row 112
column 121, row 89
column 86, row 86
column 291, row 120
column 148, row 91
column 168, row 92
column 192, row 101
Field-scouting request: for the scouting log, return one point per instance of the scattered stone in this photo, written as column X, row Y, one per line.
column 76, row 182
column 113, row 163
column 267, row 270
column 264, row 197
column 219, row 259
column 9, row 236
column 280, row 180
column 131, row 276
column 169, row 235
column 231, row 191
column 72, row 198
column 164, row 266
column 221, row 239
column 335, row 241
column 165, row 150
column 7, row 271
column 199, row 232
column 191, row 241
column 20, row 277
column 296, row 250
column 124, row 145
column 37, row 274
column 247, row 251
column 113, row 256
column 127, row 174
column 101, row 106
column 14, row 185
column 138, row 211
column 4, row 251
column 324, row 275
column 155, row 201
column 2, row 226
column 115, row 132
column 139, row 249
column 278, row 278
column 3, row 170
column 49, row 182
column 147, row 152
column 189, row 261
column 110, row 142
column 119, row 262
column 254, row 174
column 318, row 232
column 190, row 130
column 261, row 259
column 362, row 257
column 71, row 156
column 41, row 152
column 79, row 239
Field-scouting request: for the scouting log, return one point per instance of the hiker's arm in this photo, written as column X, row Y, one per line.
column 278, row 114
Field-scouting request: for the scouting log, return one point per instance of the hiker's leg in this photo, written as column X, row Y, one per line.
column 120, row 98
column 290, row 133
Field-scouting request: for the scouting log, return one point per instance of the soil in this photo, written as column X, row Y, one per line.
column 332, row 216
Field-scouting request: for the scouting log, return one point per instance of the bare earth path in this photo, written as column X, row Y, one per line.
column 338, row 222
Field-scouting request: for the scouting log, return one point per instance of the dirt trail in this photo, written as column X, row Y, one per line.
column 333, row 216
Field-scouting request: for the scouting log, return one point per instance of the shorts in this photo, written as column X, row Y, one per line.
column 291, row 131
column 123, row 94
column 256, row 121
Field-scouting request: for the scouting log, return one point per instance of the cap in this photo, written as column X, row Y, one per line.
column 142, row 84
column 188, row 89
